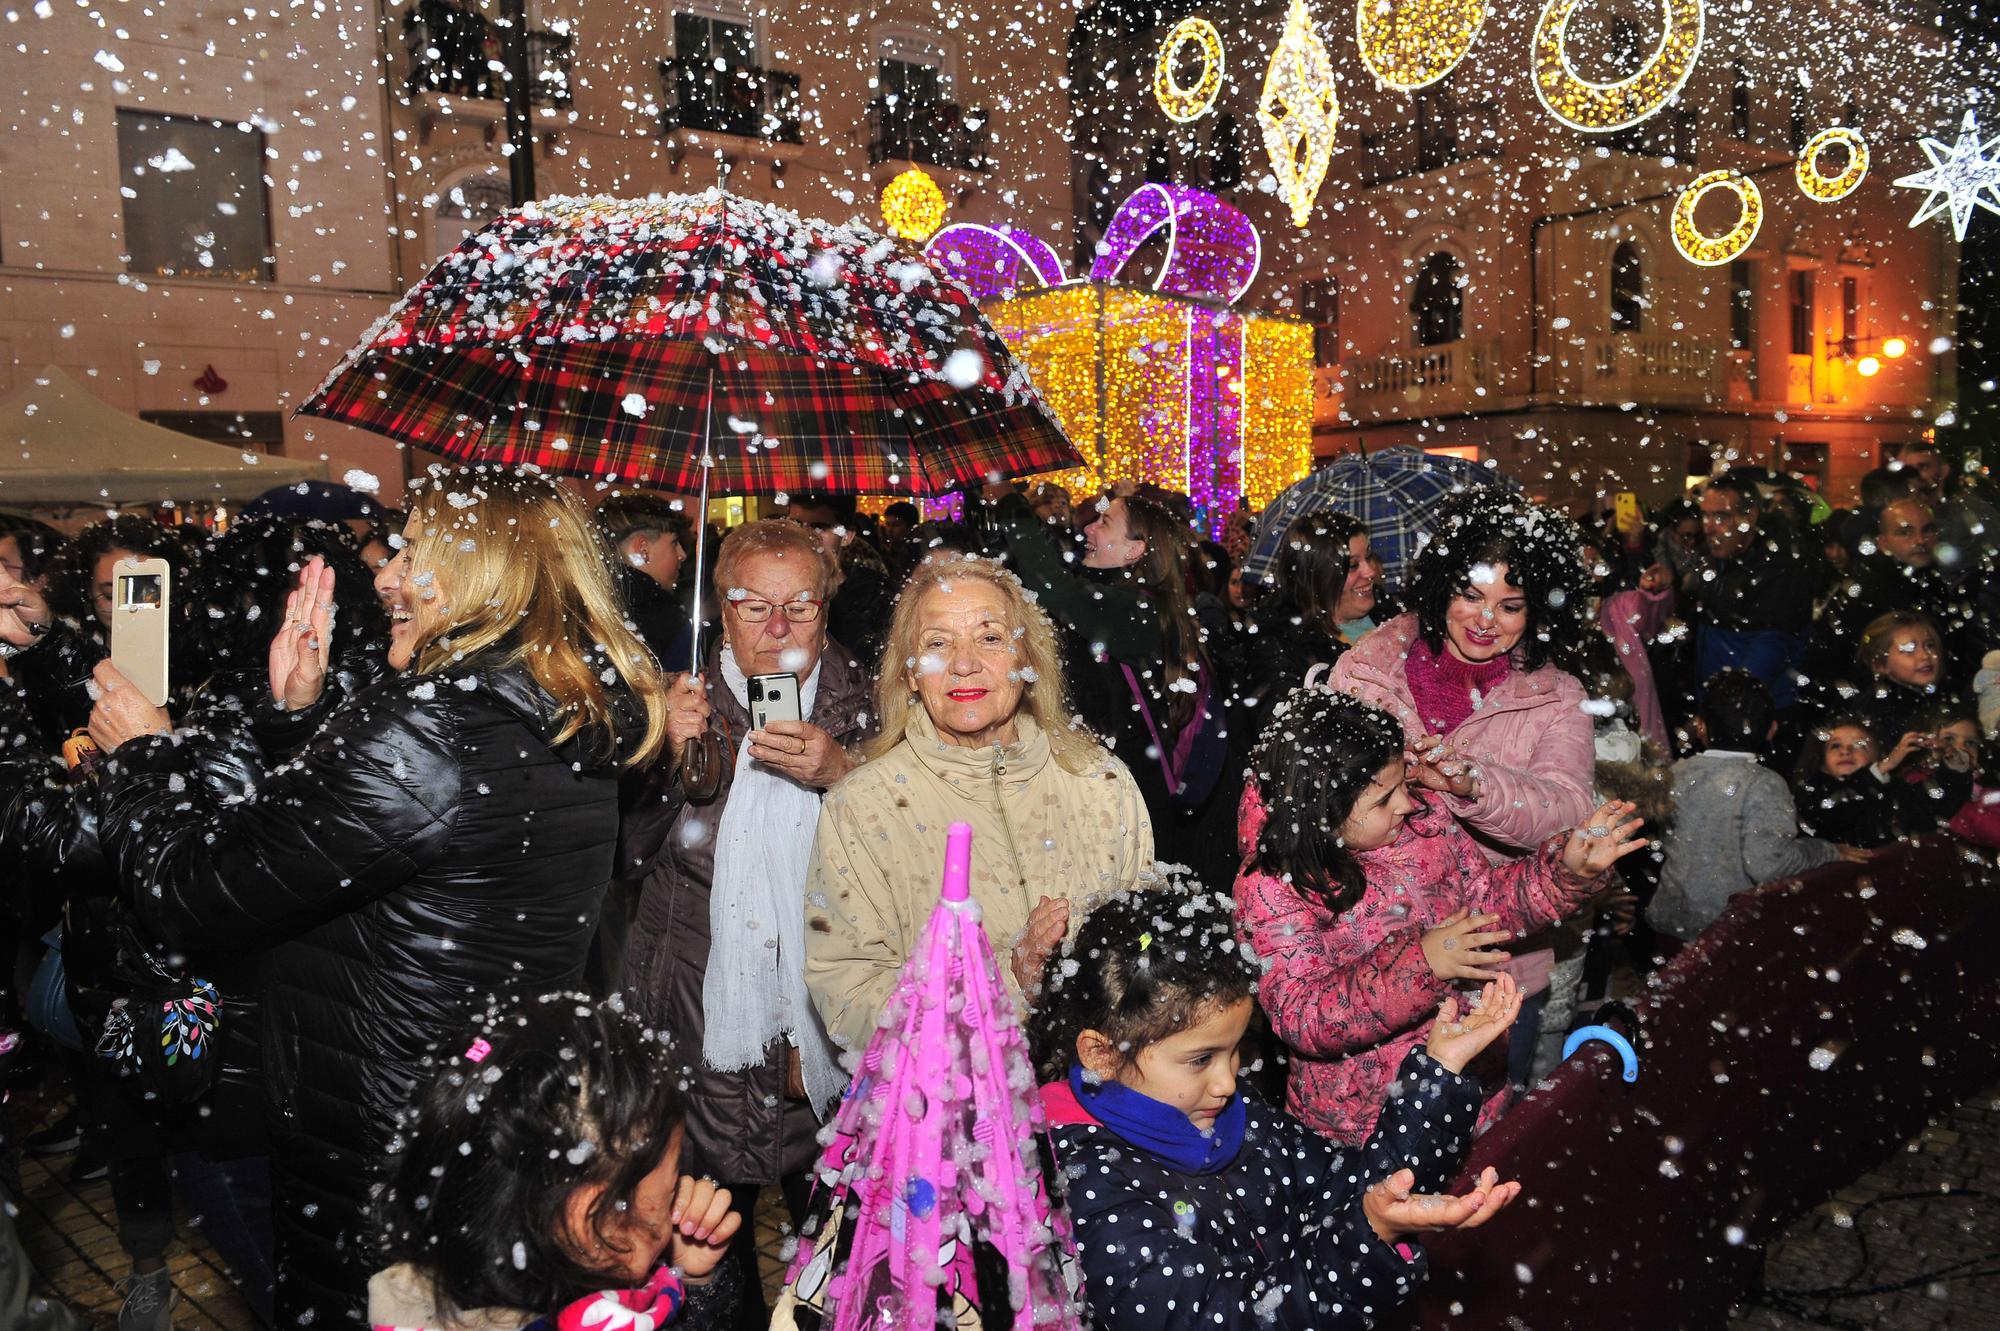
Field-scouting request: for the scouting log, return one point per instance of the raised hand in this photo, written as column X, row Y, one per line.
column 1455, row 946
column 802, row 751
column 1434, row 766
column 304, row 641
column 24, row 612
column 1394, row 1211
column 120, row 711
column 687, row 712
column 1455, row 1043
column 1607, row 838
column 1047, row 923
column 703, row 1225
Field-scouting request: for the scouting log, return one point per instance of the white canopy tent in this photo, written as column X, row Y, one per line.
column 62, row 448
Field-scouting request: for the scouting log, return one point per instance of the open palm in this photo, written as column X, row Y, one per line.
column 302, row 644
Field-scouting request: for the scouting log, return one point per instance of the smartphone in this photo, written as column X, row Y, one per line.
column 140, row 592
column 773, row 698
column 1626, row 509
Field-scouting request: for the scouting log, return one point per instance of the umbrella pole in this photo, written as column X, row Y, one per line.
column 701, row 521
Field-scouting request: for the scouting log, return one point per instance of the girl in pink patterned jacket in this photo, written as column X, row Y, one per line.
column 1367, row 906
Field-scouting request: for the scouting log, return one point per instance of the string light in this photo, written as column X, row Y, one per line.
column 1815, row 182
column 1185, row 104
column 1146, row 364
column 1054, row 334
column 1696, row 245
column 913, row 205
column 1299, row 112
column 1600, row 108
column 1410, row 44
column 1277, row 407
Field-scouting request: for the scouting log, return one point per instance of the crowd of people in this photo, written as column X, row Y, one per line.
column 516, row 914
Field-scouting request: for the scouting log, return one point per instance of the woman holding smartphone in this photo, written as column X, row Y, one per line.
column 717, row 953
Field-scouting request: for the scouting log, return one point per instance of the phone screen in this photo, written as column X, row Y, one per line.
column 139, row 590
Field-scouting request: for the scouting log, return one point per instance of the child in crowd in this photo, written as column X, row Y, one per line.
column 1942, row 763
column 540, row 1186
column 1841, row 784
column 1368, row 907
column 1196, row 1205
column 1735, row 823
column 1903, row 655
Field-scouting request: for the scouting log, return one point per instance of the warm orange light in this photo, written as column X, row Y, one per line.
column 1895, row 348
column 1868, row 367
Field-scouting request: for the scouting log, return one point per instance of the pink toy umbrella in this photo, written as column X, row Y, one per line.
column 930, row 1208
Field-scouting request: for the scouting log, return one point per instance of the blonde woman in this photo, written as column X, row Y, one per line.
column 975, row 729
column 403, row 854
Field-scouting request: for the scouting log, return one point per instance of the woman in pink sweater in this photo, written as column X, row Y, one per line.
column 1367, row 903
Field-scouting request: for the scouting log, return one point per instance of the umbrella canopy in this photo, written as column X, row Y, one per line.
column 60, row 447
column 1393, row 491
column 930, row 1209
column 603, row 337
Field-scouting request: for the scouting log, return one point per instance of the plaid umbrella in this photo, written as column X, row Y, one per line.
column 619, row 338
column 1394, row 491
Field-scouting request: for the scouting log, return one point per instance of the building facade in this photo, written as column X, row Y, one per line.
column 205, row 205
column 1490, row 281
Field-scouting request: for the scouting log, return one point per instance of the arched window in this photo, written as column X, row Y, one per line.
column 1225, row 154
column 1438, row 302
column 464, row 208
column 1628, row 290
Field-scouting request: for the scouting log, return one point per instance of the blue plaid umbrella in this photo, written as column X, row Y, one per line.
column 1394, row 491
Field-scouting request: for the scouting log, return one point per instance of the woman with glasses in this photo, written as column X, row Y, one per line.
column 717, row 951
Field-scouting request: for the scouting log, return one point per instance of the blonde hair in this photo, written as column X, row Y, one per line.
column 524, row 578
column 774, row 536
column 1074, row 748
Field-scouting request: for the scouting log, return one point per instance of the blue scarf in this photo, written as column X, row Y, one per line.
column 1162, row 1129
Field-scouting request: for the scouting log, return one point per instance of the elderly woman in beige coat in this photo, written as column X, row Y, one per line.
column 975, row 729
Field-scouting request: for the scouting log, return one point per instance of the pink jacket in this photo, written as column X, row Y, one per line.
column 1351, row 994
column 1531, row 739
column 1631, row 619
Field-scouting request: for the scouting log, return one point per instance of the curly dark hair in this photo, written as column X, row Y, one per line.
column 70, row 589
column 567, row 1093
column 1144, row 965
column 1542, row 550
column 1318, row 753
column 235, row 594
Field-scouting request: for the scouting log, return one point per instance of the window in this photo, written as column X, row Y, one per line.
column 1437, row 129
column 1628, row 290
column 1438, row 303
column 1800, row 121
column 712, row 83
column 1225, row 154
column 1739, row 104
column 908, row 86
column 1320, row 304
column 703, row 40
column 1159, row 162
column 194, row 197
column 466, row 207
column 1850, row 315
column 1808, row 462
column 1802, row 312
column 1742, row 312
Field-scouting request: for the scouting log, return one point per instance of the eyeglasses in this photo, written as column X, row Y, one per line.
column 758, row 611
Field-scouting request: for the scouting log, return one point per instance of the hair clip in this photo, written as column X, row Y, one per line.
column 1145, row 941
column 478, row 1051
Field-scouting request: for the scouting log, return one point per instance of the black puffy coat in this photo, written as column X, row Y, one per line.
column 428, row 847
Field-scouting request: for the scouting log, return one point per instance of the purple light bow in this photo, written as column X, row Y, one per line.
column 992, row 262
column 1213, row 250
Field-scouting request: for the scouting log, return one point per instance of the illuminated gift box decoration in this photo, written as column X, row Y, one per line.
column 1168, row 383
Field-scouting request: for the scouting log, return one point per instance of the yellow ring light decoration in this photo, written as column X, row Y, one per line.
column 1696, row 245
column 913, row 205
column 1815, row 182
column 1411, row 44
column 1601, row 108
column 1185, row 104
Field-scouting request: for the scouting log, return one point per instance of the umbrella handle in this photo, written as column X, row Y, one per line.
column 702, row 760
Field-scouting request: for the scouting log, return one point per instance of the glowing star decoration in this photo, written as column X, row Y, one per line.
column 1696, row 245
column 1299, row 112
column 1410, row 44
column 1185, row 104
column 1825, row 188
column 1600, row 108
column 1962, row 176
column 913, row 205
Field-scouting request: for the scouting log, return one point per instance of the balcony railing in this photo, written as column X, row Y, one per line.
column 933, row 133
column 747, row 101
column 1419, row 382
column 455, row 49
column 1633, row 367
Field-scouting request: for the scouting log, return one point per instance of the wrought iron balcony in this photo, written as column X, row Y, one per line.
column 747, row 101
column 932, row 133
column 455, row 49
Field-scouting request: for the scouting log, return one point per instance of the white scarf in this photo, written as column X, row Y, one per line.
column 755, row 987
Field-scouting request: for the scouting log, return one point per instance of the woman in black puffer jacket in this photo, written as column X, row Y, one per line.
column 1317, row 606
column 405, row 852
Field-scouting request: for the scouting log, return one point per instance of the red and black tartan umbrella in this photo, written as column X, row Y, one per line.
column 621, row 338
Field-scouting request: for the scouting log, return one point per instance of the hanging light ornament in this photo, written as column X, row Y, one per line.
column 1815, row 182
column 1962, row 176
column 1600, row 108
column 1185, row 104
column 1696, row 245
column 913, row 205
column 1410, row 44
column 1299, row 112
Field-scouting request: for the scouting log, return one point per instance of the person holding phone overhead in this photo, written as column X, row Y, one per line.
column 400, row 852
column 716, row 955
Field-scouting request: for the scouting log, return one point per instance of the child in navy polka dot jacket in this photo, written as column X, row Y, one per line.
column 1194, row 1203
